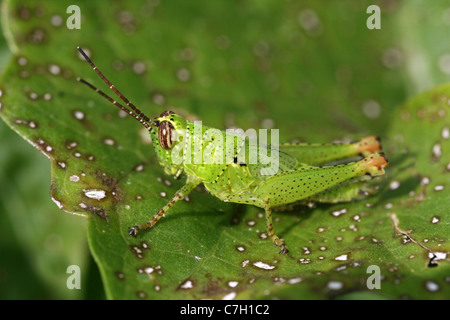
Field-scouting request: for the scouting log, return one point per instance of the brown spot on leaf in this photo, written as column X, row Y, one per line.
column 97, row 210
column 23, row 12
column 28, row 123
column 71, row 144
column 37, row 36
column 44, row 147
column 139, row 250
column 120, row 275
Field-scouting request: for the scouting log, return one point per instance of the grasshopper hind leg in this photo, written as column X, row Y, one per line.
column 266, row 205
column 330, row 184
column 347, row 192
column 353, row 190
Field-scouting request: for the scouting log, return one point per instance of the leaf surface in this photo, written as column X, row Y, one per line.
column 271, row 67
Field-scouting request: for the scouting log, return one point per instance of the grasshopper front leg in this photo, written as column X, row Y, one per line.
column 179, row 195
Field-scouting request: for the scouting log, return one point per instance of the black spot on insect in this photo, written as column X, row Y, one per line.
column 235, row 161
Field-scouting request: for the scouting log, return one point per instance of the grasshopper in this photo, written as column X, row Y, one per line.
column 302, row 175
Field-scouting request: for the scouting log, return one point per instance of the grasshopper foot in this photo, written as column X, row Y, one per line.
column 280, row 243
column 284, row 249
column 133, row 231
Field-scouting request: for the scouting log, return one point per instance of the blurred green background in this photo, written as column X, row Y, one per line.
column 366, row 72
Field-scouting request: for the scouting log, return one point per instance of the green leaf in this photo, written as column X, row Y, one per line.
column 270, row 64
column 38, row 243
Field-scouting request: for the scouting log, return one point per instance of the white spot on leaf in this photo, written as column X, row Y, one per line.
column 95, row 194
column 263, row 265
column 229, row 296
column 335, row 285
column 337, row 213
column 394, row 185
column 437, row 256
column 74, row 178
column 435, row 220
column 437, row 151
column 342, row 257
column 294, row 280
column 188, row 284
column 78, row 115
column 431, row 286
column 371, row 109
column 54, row 69
column 445, row 133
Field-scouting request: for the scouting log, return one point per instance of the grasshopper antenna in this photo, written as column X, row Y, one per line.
column 114, row 102
column 139, row 113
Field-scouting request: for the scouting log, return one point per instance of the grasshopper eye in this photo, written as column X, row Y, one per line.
column 165, row 135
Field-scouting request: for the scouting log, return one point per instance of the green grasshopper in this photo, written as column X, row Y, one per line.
column 302, row 173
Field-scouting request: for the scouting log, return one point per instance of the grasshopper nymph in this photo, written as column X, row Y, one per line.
column 302, row 175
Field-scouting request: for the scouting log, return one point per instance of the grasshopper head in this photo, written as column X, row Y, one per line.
column 165, row 132
column 163, row 129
